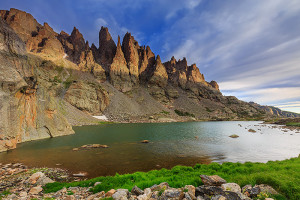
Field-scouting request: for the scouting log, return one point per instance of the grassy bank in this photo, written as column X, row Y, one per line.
column 284, row 176
column 293, row 124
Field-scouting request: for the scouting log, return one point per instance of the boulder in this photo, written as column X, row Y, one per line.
column 44, row 180
column 234, row 136
column 163, row 185
column 172, row 193
column 80, row 174
column 97, row 183
column 98, row 195
column 187, row 196
column 208, row 191
column 121, row 194
column 137, row 191
column 23, row 194
column 34, row 177
column 250, row 191
column 233, row 187
column 267, row 189
column 214, row 180
column 218, row 197
column 191, row 190
column 35, row 190
column 146, row 194
column 110, row 193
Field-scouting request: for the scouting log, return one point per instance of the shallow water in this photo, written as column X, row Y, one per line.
column 171, row 144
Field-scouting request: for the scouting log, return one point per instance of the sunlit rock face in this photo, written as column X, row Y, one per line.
column 27, row 111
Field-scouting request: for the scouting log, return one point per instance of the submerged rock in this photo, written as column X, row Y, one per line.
column 252, row 131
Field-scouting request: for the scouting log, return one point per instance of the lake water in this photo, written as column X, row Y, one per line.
column 170, row 144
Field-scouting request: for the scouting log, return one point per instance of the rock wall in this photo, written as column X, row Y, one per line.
column 26, row 109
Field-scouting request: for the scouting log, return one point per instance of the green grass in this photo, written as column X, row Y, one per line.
column 293, row 124
column 165, row 112
column 283, row 176
column 182, row 113
column 105, row 122
column 4, row 194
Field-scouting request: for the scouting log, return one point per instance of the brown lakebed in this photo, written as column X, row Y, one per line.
column 169, row 144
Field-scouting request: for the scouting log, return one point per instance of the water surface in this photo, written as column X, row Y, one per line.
column 170, row 144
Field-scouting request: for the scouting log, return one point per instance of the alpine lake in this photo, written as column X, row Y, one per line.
column 170, row 144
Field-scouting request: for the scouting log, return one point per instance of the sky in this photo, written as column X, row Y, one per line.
column 250, row 47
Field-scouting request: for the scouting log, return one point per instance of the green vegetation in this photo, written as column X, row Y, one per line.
column 284, row 176
column 108, row 198
column 56, row 79
column 208, row 110
column 182, row 113
column 161, row 191
column 293, row 124
column 105, row 122
column 59, row 69
column 165, row 112
column 68, row 82
column 4, row 194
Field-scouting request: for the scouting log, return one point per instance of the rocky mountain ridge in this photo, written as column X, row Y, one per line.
column 271, row 110
column 50, row 81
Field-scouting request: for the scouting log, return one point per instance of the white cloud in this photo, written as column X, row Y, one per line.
column 289, row 106
column 100, row 22
column 250, row 47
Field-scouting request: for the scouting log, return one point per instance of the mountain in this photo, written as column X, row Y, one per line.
column 273, row 111
column 51, row 81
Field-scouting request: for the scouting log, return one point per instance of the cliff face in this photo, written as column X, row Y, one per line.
column 27, row 111
column 49, row 81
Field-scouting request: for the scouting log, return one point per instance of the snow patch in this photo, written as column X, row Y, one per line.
column 101, row 117
column 65, row 55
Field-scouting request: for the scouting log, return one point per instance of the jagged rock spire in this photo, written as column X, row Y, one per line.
column 107, row 48
column 118, row 71
column 130, row 48
column 160, row 76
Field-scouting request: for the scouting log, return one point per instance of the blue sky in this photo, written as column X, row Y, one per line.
column 251, row 47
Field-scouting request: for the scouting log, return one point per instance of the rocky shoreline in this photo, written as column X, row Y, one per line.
column 17, row 181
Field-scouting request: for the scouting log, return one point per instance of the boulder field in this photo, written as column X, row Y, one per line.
column 20, row 182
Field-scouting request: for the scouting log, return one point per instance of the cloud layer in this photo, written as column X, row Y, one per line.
column 252, row 47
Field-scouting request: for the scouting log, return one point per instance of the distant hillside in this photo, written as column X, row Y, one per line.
column 271, row 110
